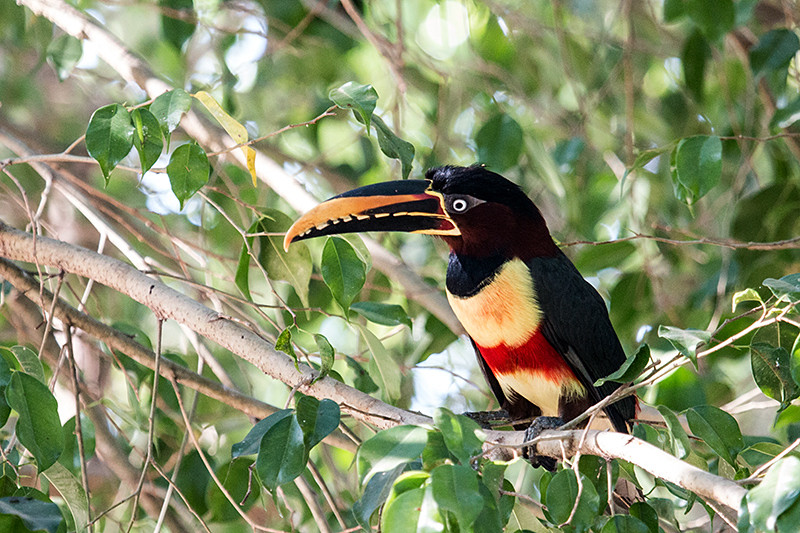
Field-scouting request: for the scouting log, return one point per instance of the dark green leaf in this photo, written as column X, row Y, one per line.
column 778, row 491
column 36, row 515
column 5, row 379
column 38, row 427
column 695, row 55
column 238, row 480
column 282, row 454
column 251, row 442
column 646, row 514
column 624, row 524
column 381, row 313
column 718, row 429
column 147, row 137
column 786, row 288
column 187, row 170
column 459, row 434
column 679, row 440
column 326, row 354
column 293, row 266
column 317, row 419
column 342, row 270
column 455, row 489
column 383, row 369
column 715, row 18
column 630, row 369
column 562, row 492
column 284, row 344
column 786, row 116
column 747, row 295
column 673, row 10
column 360, row 98
column 362, row 380
column 29, row 362
column 242, row 276
column 63, row 53
column 168, row 108
column 499, row 142
column 698, row 167
column 109, row 137
column 71, row 458
column 376, row 491
column 393, row 146
column 436, row 452
column 772, row 371
column 774, row 51
column 685, row 340
column 177, row 30
column 389, row 448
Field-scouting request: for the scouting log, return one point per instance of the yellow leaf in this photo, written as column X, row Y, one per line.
column 237, row 132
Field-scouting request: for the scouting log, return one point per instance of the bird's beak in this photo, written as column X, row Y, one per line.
column 407, row 205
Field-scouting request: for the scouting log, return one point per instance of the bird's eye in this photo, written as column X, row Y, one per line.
column 459, row 205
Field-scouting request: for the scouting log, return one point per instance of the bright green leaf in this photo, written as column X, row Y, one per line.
column 342, row 270
column 747, row 295
column 414, row 511
column 393, row 146
column 499, row 142
column 778, row 491
column 326, row 355
column 718, row 429
column 459, row 434
column 685, row 340
column 38, row 427
column 383, row 369
column 147, row 137
column 698, row 167
column 71, row 490
column 455, row 489
column 284, row 344
column 381, row 313
column 187, row 170
column 109, row 137
column 168, row 108
column 360, row 98
column 679, row 440
column 29, row 362
column 389, row 448
column 787, row 288
column 282, row 454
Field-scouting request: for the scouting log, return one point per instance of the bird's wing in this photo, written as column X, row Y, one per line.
column 575, row 322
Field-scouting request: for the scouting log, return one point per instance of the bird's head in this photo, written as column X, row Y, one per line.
column 477, row 212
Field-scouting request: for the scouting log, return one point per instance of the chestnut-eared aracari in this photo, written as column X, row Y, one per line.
column 541, row 332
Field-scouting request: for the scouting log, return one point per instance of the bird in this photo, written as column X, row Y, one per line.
column 541, row 333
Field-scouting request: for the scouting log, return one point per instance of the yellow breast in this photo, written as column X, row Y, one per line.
column 504, row 311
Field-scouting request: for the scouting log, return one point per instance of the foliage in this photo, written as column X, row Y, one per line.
column 660, row 140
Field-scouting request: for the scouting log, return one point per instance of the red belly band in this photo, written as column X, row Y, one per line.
column 536, row 356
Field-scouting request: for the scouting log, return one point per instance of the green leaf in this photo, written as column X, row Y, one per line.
column 679, row 440
column 718, row 429
column 187, row 170
column 562, row 492
column 252, row 441
column 673, row 10
column 381, row 313
column 294, row 266
column 168, row 108
column 624, row 524
column 715, row 18
column 362, row 380
column 455, row 489
column 499, row 142
column 35, row 515
column 393, row 146
column 38, row 427
column 389, row 448
column 685, row 340
column 70, row 457
column 342, row 270
column 284, row 344
column 695, row 56
column 747, row 295
column 63, row 53
column 147, row 139
column 326, row 354
column 360, row 98
column 413, row 511
column 376, row 491
column 778, row 491
column 698, row 167
column 383, row 369
column 630, row 369
column 5, row 379
column 174, row 30
column 646, row 514
column 774, row 51
column 786, row 116
column 72, row 492
column 317, row 419
column 29, row 362
column 787, row 288
column 238, row 479
column 772, row 371
column 459, row 434
column 282, row 454
column 109, row 137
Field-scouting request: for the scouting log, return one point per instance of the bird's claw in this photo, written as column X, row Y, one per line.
column 541, row 423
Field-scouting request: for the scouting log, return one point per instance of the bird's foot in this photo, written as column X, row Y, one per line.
column 485, row 419
column 541, row 423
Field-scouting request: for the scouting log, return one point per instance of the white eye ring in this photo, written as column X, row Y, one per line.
column 459, row 205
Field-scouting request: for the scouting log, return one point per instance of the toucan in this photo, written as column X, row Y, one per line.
column 541, row 332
